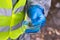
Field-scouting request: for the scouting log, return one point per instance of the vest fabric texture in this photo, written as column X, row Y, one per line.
column 11, row 17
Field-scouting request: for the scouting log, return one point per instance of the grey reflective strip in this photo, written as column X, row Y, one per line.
column 4, row 29
column 22, row 37
column 17, row 26
column 19, row 9
column 5, row 12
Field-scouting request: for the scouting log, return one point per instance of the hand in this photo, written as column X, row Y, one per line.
column 36, row 14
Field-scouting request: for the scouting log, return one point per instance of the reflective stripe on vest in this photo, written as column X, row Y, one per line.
column 8, row 12
column 5, row 12
column 4, row 29
column 17, row 26
column 20, row 9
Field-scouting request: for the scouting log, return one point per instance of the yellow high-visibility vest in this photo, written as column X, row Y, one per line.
column 11, row 19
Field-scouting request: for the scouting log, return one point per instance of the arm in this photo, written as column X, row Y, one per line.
column 37, row 13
